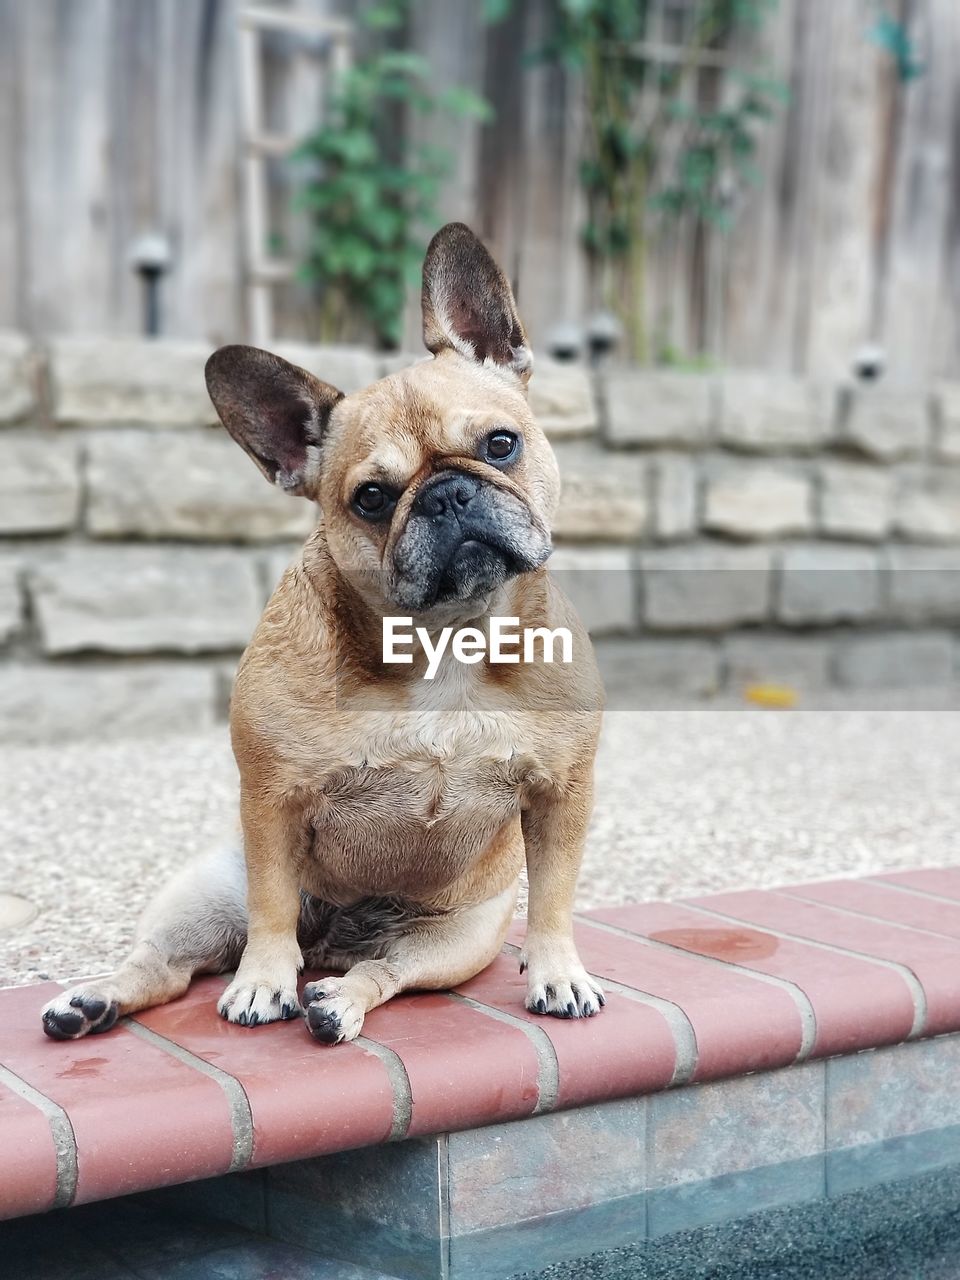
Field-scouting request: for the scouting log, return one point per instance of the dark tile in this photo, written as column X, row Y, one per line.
column 550, row 1239
column 259, row 1260
column 386, row 1249
column 50, row 1247
column 734, row 1195
column 378, row 1207
column 237, row 1198
column 136, row 1233
column 854, row 1168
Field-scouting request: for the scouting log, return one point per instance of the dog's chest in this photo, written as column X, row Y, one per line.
column 429, row 795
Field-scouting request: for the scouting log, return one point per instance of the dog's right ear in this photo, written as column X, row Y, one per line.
column 275, row 410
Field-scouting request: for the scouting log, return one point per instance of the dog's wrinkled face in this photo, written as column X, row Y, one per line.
column 436, row 484
column 439, row 479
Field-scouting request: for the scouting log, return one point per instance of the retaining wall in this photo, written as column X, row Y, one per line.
column 726, row 527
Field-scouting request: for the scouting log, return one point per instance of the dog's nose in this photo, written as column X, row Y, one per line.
column 446, row 495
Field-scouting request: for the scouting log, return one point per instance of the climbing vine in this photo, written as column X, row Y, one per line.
column 372, row 192
column 652, row 146
column 656, row 151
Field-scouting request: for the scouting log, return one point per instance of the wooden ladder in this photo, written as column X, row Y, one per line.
column 263, row 270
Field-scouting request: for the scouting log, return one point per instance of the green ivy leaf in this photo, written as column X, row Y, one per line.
column 464, row 102
column 590, row 235
column 384, row 17
column 496, row 10
column 592, row 176
column 403, row 62
column 578, row 8
column 894, row 36
column 352, row 146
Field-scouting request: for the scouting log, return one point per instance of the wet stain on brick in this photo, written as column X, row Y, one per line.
column 722, row 944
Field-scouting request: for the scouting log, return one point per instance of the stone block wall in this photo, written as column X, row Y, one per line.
column 715, row 530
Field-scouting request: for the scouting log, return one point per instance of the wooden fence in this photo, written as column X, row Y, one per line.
column 121, row 116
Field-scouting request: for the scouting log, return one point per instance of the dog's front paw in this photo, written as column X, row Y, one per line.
column 79, row 1012
column 251, row 1003
column 557, row 982
column 331, row 1015
column 573, row 996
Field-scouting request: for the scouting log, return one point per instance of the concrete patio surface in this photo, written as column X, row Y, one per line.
column 691, row 798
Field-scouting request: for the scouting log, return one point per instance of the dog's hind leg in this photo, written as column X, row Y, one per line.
column 435, row 953
column 196, row 924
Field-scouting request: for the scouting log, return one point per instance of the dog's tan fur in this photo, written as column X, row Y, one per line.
column 362, row 782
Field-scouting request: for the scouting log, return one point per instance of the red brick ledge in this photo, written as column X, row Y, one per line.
column 698, row 990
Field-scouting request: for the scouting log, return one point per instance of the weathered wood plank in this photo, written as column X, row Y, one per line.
column 12, row 275
column 550, row 268
column 847, row 155
column 921, row 196
column 757, row 286
column 946, row 315
column 118, row 117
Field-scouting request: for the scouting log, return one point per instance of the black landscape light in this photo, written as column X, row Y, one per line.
column 604, row 332
column 870, row 362
column 150, row 257
column 565, row 342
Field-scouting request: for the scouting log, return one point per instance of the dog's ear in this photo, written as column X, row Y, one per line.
column 468, row 304
column 275, row 410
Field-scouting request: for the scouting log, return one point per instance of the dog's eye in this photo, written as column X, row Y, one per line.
column 373, row 502
column 501, row 446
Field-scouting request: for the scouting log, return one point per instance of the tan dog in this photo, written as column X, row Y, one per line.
column 386, row 817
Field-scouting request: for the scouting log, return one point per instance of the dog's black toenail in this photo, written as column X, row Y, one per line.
column 540, row 1005
column 288, row 1010
column 523, row 966
column 572, row 1011
column 253, row 1020
column 242, row 1018
column 601, row 999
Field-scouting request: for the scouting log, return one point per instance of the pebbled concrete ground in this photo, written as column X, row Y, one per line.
column 690, row 798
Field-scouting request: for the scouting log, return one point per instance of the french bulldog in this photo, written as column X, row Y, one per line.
column 386, row 818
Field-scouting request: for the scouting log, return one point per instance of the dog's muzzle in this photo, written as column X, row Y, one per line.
column 464, row 538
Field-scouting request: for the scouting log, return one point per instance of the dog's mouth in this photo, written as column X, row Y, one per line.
column 464, row 538
column 475, row 569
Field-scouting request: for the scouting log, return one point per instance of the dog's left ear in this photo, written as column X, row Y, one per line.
column 468, row 305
